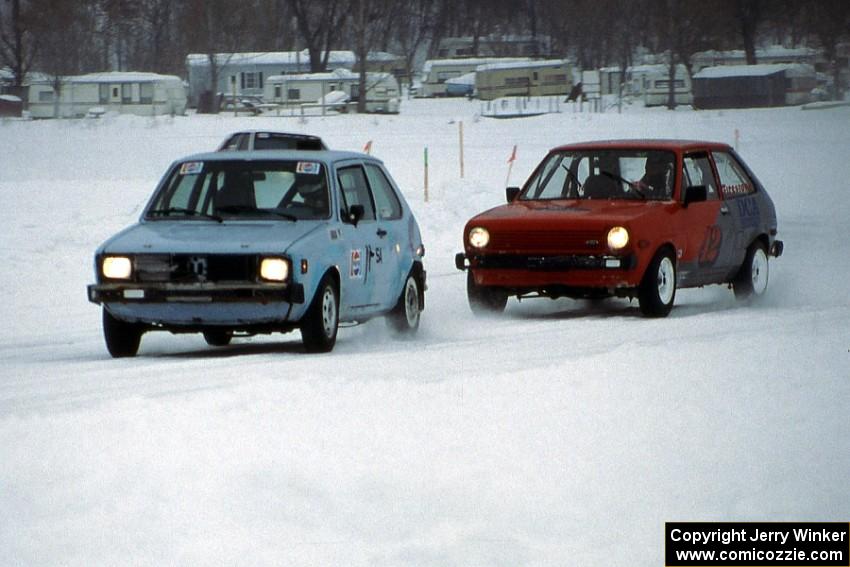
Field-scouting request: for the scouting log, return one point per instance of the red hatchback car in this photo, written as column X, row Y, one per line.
column 624, row 218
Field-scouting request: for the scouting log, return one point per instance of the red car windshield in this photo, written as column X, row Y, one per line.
column 603, row 174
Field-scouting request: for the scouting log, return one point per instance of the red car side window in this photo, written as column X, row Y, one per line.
column 733, row 179
column 698, row 172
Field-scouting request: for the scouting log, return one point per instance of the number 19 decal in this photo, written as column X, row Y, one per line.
column 710, row 249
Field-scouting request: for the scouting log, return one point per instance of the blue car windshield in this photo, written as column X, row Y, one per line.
column 603, row 174
column 220, row 190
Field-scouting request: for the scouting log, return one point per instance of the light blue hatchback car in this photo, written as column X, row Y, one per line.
column 235, row 244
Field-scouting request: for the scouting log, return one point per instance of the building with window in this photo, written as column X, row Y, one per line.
column 245, row 74
column 775, row 54
column 495, row 45
column 143, row 94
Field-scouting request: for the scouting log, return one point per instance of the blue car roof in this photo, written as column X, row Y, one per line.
column 326, row 156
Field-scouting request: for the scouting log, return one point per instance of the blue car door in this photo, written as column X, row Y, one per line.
column 358, row 270
column 392, row 238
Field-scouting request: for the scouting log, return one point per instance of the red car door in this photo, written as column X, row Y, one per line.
column 709, row 227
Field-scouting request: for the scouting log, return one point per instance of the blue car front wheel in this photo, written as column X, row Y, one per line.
column 122, row 339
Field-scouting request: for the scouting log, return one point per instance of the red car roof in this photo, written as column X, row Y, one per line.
column 645, row 144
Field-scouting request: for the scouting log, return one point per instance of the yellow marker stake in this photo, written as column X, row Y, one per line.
column 426, row 174
column 460, row 134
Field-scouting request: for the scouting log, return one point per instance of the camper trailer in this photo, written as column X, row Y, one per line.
column 523, row 78
column 652, row 84
column 436, row 72
column 800, row 81
column 143, row 94
column 382, row 90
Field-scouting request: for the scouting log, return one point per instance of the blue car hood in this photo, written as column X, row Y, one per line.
column 202, row 237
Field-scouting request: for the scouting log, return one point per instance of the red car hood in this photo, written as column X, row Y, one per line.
column 573, row 212
column 568, row 226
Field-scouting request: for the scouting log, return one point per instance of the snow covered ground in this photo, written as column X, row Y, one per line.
column 563, row 433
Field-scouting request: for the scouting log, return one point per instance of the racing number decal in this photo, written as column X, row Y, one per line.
column 379, row 255
column 710, row 249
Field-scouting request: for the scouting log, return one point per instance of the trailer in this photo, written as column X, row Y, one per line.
column 383, row 93
column 436, row 72
column 800, row 81
column 142, row 94
column 523, row 78
column 652, row 84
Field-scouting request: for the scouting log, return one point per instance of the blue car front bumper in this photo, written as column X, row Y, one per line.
column 167, row 304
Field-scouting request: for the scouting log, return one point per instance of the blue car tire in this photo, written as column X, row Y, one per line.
column 122, row 339
column 320, row 324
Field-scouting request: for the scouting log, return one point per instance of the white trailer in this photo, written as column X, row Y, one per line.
column 800, row 81
column 523, row 78
column 382, row 90
column 652, row 83
column 143, row 94
column 436, row 72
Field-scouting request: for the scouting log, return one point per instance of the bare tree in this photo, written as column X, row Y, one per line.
column 696, row 26
column 278, row 31
column 624, row 38
column 702, row 25
column 478, row 14
column 829, row 21
column 413, row 30
column 318, row 21
column 119, row 27
column 590, row 26
column 749, row 16
column 156, row 18
column 445, row 14
column 17, row 40
column 556, row 19
column 531, row 12
column 369, row 20
column 65, row 41
column 217, row 30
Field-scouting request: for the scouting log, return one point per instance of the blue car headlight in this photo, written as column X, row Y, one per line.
column 274, row 269
column 116, row 267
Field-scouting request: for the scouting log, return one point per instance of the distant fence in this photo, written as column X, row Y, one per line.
column 515, row 107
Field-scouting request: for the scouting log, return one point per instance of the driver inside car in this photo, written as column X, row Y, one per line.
column 657, row 181
column 315, row 196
